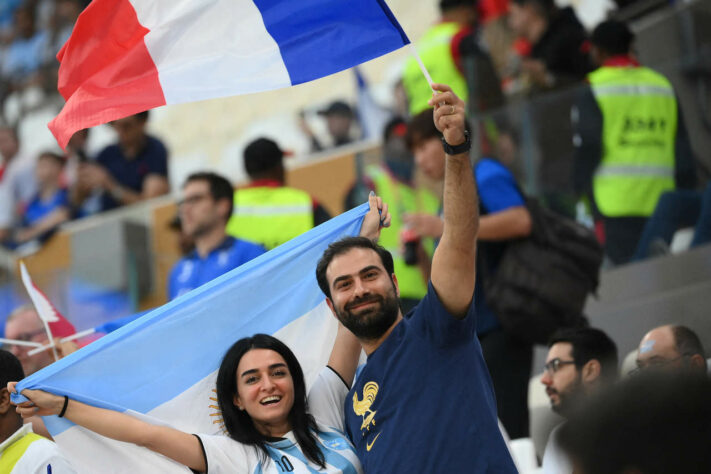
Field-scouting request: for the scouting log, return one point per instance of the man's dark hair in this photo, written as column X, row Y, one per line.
column 589, row 344
column 445, row 5
column 143, row 116
column 220, row 187
column 261, row 157
column 687, row 342
column 343, row 246
column 56, row 157
column 654, row 423
column 545, row 7
column 613, row 37
column 421, row 128
column 10, row 368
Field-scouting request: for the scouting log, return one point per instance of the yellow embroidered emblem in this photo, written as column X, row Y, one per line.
column 362, row 407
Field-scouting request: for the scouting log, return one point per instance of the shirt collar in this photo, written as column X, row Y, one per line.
column 22, row 432
column 224, row 245
column 621, row 60
column 268, row 183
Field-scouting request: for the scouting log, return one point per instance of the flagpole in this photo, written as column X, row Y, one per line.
column 28, row 283
column 424, row 70
column 19, row 343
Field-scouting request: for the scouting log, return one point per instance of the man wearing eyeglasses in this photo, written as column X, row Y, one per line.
column 24, row 324
column 204, row 210
column 580, row 361
column 675, row 348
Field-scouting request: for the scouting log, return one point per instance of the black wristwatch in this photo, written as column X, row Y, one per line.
column 459, row 149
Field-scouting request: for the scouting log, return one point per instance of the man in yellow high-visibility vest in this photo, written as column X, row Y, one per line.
column 21, row 450
column 266, row 211
column 631, row 143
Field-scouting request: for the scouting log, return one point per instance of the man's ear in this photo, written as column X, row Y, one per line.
column 330, row 305
column 5, row 404
column 697, row 361
column 591, row 371
column 397, row 286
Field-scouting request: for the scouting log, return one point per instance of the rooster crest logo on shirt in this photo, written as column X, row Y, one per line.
column 362, row 407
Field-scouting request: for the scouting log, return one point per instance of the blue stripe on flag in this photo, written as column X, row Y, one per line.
column 160, row 355
column 321, row 37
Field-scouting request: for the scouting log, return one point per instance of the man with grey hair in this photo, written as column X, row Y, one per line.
column 671, row 347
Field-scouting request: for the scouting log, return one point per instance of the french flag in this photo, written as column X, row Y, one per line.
column 162, row 366
column 127, row 56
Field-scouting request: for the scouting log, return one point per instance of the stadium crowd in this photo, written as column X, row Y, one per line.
column 630, row 170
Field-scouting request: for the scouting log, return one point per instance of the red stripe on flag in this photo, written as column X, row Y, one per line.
column 106, row 71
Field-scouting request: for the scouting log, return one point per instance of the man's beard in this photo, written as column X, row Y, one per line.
column 569, row 398
column 372, row 323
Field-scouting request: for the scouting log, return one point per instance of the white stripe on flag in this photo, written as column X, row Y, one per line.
column 210, row 48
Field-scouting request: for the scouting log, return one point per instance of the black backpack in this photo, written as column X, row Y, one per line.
column 542, row 281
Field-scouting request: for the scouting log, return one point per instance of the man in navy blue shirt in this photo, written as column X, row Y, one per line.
column 204, row 210
column 134, row 169
column 503, row 217
column 424, row 401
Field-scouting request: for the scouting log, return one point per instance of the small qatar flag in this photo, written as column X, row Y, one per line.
column 127, row 56
column 57, row 324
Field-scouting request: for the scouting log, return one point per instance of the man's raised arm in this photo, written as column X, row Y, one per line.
column 454, row 261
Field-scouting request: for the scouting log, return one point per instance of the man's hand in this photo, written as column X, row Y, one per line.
column 40, row 403
column 377, row 217
column 537, row 72
column 448, row 114
column 94, row 176
column 425, row 225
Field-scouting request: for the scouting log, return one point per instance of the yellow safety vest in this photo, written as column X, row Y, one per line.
column 403, row 199
column 639, row 117
column 270, row 215
column 435, row 50
column 13, row 453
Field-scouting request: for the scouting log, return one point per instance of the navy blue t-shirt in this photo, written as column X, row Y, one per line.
column 424, row 400
column 497, row 192
column 153, row 159
column 193, row 271
column 37, row 209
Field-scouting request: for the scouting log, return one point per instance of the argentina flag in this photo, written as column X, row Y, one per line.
column 162, row 366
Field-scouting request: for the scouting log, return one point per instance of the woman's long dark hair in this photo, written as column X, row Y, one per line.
column 239, row 424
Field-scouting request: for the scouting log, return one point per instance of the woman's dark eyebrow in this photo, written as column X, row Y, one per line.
column 254, row 371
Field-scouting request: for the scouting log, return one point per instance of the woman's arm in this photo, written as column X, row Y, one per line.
column 174, row 444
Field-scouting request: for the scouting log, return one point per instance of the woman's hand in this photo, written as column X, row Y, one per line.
column 40, row 403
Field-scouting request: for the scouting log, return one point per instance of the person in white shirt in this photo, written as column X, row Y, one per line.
column 17, row 179
column 21, row 450
column 579, row 362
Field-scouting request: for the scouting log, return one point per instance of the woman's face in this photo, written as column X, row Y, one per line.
column 265, row 390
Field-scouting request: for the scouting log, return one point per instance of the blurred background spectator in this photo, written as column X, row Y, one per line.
column 648, row 425
column 205, row 208
column 339, row 123
column 630, row 140
column 17, row 180
column 267, row 211
column 134, row 169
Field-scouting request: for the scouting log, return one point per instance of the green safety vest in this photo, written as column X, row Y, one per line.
column 13, row 453
column 270, row 216
column 402, row 199
column 639, row 117
column 435, row 50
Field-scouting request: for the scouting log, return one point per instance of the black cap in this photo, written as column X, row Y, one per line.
column 337, row 108
column 613, row 37
column 261, row 155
